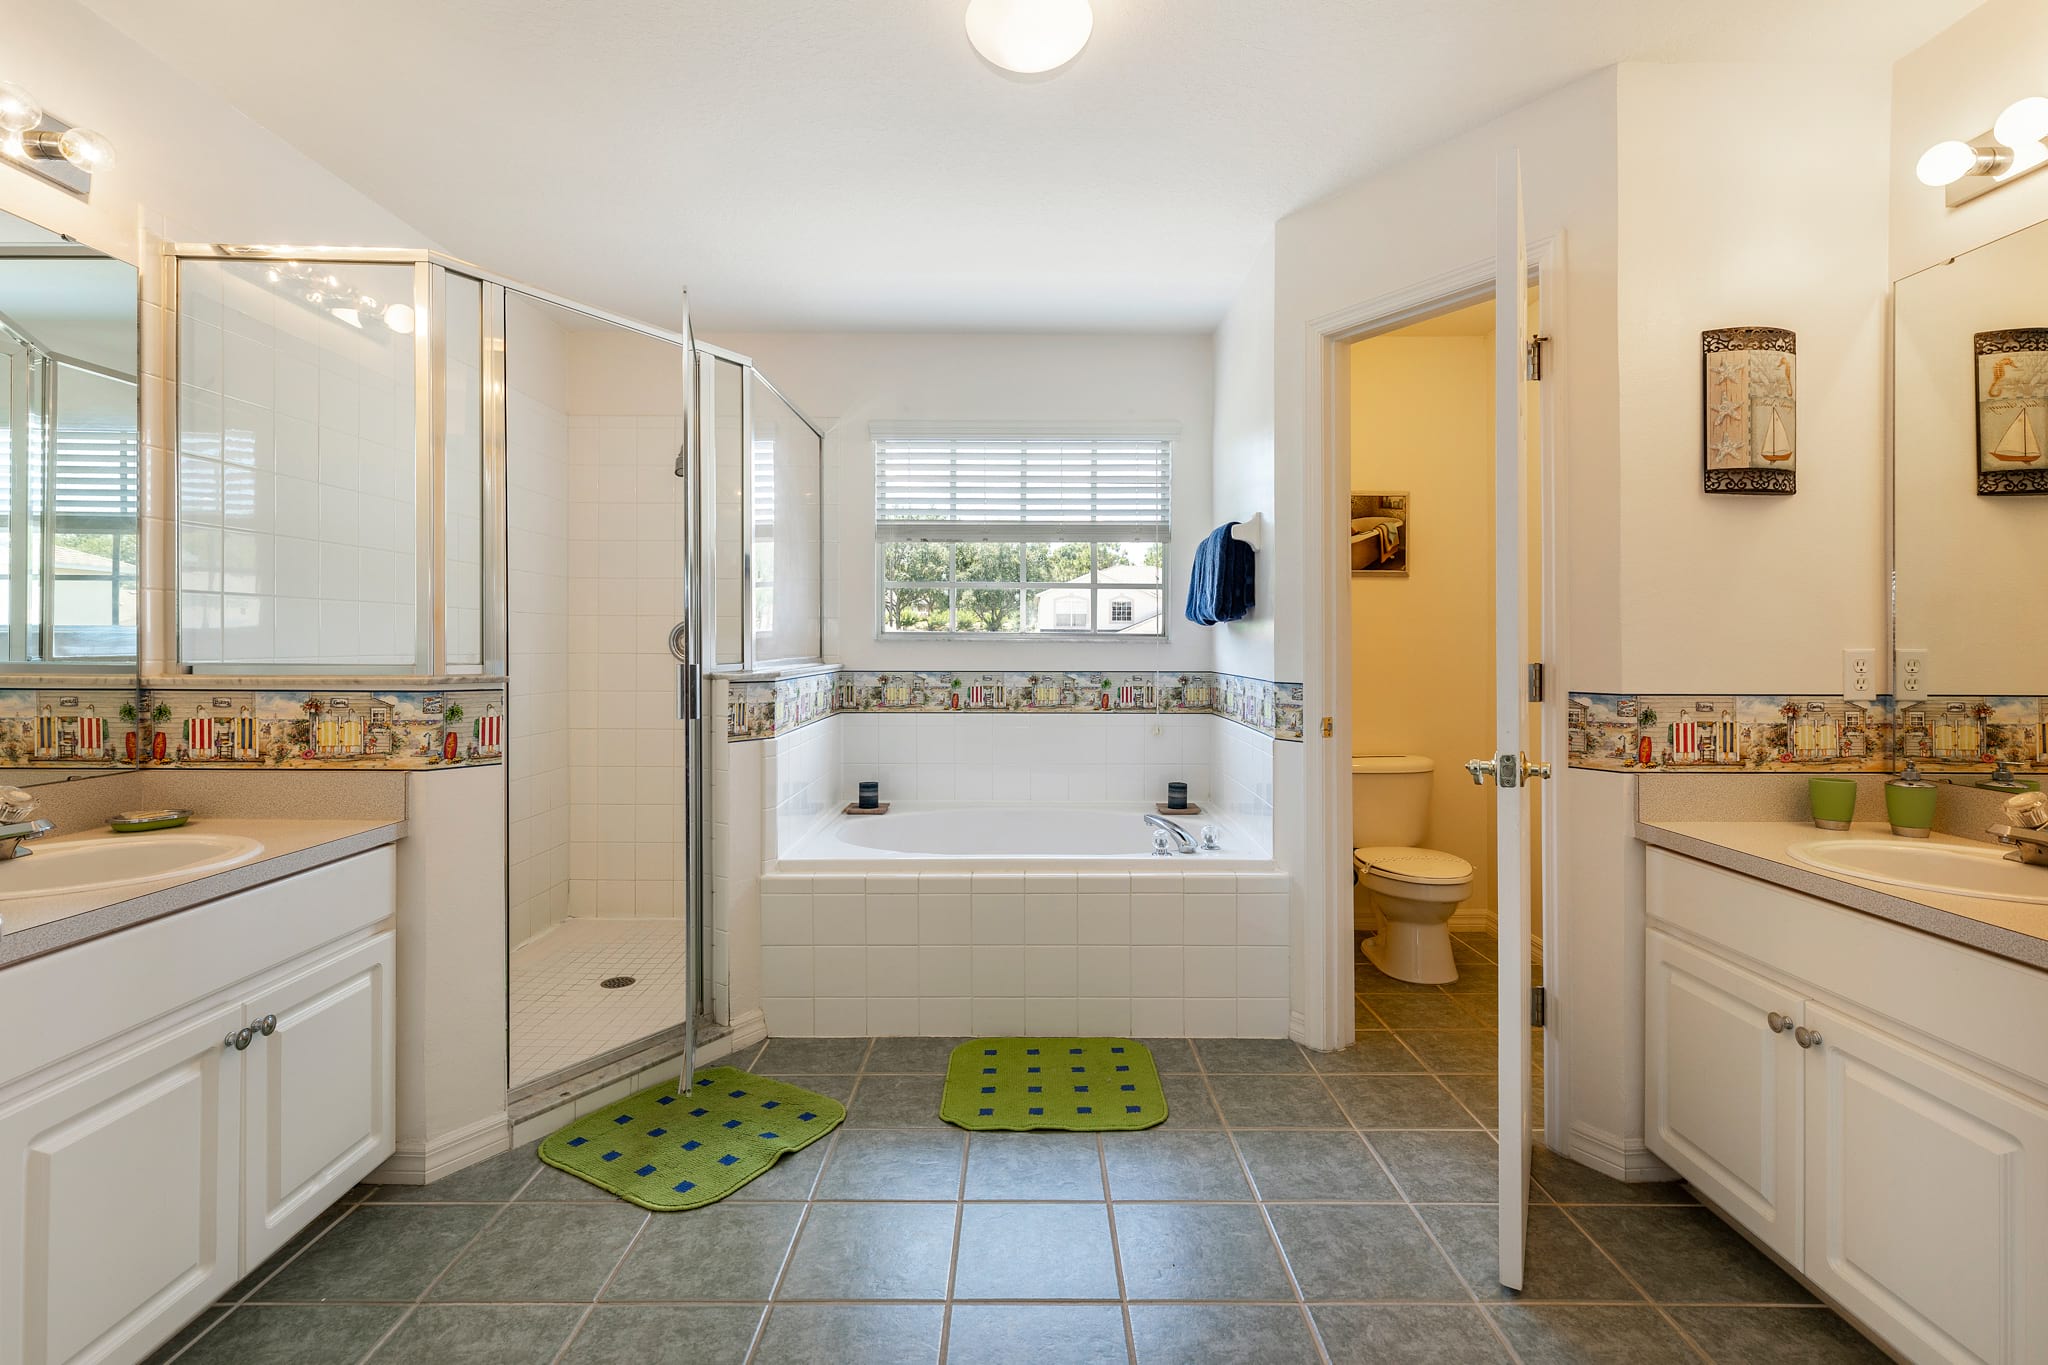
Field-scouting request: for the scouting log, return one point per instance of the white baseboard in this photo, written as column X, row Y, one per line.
column 423, row 1162
column 1622, row 1158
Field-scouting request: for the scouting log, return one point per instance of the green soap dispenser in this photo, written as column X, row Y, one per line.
column 1909, row 802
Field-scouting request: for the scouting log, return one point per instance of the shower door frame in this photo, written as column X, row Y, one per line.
column 430, row 270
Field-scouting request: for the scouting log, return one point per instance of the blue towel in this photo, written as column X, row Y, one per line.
column 1220, row 585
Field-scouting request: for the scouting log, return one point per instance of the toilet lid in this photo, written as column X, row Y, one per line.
column 1423, row 866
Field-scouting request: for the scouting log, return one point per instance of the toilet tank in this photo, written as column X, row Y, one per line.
column 1390, row 799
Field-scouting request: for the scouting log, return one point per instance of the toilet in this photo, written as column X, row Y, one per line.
column 1404, row 891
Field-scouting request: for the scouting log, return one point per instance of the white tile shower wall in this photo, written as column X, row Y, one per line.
column 1241, row 778
column 737, row 822
column 1149, row 954
column 1023, row 758
column 801, row 781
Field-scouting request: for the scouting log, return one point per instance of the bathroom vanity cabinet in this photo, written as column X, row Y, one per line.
column 1868, row 1101
column 179, row 1098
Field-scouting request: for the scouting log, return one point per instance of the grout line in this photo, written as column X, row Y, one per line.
column 953, row 1259
column 428, row 1288
column 1633, row 1283
column 1116, row 1250
column 646, row 1221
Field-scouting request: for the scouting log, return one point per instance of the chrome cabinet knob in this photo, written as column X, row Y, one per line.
column 1779, row 1023
column 239, row 1040
column 267, row 1025
column 1806, row 1037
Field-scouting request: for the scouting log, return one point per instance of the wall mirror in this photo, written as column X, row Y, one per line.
column 1970, row 508
column 70, row 473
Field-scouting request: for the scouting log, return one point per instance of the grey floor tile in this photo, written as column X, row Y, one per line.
column 1447, row 1051
column 871, row 1333
column 185, row 1336
column 1687, row 1255
column 1370, row 980
column 811, row 1056
column 1187, row 1103
column 1420, row 1011
column 1362, row 1251
column 543, row 1253
column 664, row 1335
column 1474, row 979
column 1407, row 1334
column 298, row 1242
column 1276, row 1102
column 1201, row 1334
column 1399, row 1102
column 1571, row 1182
column 1033, row 1166
column 1035, row 1251
column 490, row 1181
column 1441, row 1168
column 302, row 1335
column 922, row 1055
column 1479, row 1093
column 379, row 1252
column 1377, row 1053
column 832, row 1085
column 724, row 1252
column 553, row 1185
column 1776, row 1336
column 1261, row 1056
column 1156, row 1165
column 1171, row 1055
column 1198, row 1251
column 887, row 1164
column 1561, row 1262
column 1552, row 1334
column 1033, row 1334
column 481, row 1334
column 790, row 1178
column 872, row 1251
column 1314, row 1165
column 897, row 1102
column 1465, row 951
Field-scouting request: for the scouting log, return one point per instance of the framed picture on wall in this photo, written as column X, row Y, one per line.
column 2012, row 411
column 1751, row 416
column 1379, row 534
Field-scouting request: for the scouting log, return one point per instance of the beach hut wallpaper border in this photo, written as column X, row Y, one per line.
column 2012, row 411
column 1750, row 409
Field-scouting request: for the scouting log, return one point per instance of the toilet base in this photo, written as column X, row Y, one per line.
column 1418, row 953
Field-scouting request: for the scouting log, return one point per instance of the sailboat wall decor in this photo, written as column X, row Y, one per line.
column 1751, row 410
column 2012, row 411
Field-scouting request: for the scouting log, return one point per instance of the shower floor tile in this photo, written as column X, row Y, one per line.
column 561, row 1014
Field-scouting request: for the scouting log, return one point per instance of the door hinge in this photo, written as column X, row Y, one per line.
column 1538, row 1007
column 1329, row 727
column 1534, row 352
column 1535, row 682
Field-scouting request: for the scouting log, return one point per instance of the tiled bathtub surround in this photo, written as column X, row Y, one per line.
column 1777, row 733
column 758, row 708
column 1201, row 954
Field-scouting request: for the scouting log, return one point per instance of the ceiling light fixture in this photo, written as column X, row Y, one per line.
column 2016, row 145
column 1029, row 37
column 45, row 146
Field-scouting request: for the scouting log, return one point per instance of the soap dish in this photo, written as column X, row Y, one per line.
column 142, row 821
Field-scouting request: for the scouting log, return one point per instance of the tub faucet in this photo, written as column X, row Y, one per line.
column 1182, row 841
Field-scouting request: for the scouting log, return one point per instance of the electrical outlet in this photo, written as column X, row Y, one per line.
column 1859, row 674
column 1912, row 673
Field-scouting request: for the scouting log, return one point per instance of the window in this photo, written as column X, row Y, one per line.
column 1022, row 535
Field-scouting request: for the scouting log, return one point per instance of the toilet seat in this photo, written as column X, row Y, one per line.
column 1417, row 866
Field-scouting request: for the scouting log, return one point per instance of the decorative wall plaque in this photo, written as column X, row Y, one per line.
column 1751, row 417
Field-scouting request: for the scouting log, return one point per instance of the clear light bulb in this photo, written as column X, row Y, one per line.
column 87, row 150
column 1946, row 162
column 2022, row 127
column 1029, row 36
column 399, row 318
column 19, row 111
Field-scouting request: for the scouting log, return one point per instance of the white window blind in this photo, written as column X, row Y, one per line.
column 1013, row 488
column 96, row 464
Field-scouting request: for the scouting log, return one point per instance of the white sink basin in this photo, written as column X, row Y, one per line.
column 116, row 860
column 1958, row 870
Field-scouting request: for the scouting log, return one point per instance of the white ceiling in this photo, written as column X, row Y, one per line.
column 851, row 164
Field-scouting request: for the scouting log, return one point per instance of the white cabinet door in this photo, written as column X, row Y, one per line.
column 1723, row 1087
column 317, row 1104
column 1927, row 1198
column 118, row 1201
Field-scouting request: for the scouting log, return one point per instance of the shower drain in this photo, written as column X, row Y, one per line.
column 612, row 983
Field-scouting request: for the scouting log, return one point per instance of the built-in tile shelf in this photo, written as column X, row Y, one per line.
column 1719, row 732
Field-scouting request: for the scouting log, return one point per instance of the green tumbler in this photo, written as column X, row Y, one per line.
column 1834, row 801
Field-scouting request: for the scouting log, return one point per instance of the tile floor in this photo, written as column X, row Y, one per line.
column 1296, row 1207
column 559, row 1013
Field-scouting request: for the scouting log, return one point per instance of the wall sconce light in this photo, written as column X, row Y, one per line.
column 2016, row 144
column 47, row 147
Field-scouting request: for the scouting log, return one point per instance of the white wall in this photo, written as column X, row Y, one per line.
column 843, row 382
column 1242, row 486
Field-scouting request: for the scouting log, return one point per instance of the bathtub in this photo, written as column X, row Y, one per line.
column 988, row 838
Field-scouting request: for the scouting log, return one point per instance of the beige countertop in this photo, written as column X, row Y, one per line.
column 1761, row 848
column 33, row 925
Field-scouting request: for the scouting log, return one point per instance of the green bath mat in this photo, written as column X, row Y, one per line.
column 1072, row 1085
column 666, row 1152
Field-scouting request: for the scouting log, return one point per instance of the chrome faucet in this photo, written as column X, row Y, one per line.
column 1182, row 841
column 2028, row 845
column 16, row 828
